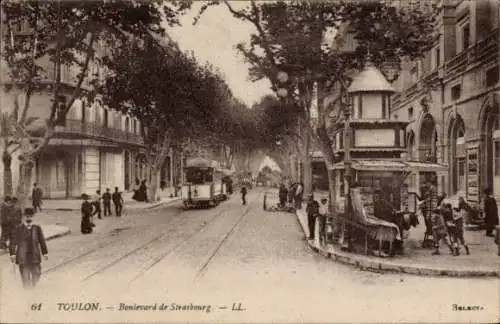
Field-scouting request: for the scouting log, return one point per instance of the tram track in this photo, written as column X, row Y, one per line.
column 150, row 243
column 102, row 244
column 205, row 265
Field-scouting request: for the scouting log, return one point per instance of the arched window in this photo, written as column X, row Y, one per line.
column 456, row 157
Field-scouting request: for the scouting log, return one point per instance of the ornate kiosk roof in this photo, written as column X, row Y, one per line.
column 370, row 79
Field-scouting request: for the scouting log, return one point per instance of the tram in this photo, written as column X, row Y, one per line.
column 203, row 185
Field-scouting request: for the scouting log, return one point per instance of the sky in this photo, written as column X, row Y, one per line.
column 213, row 39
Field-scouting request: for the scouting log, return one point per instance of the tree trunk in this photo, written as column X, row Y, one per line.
column 155, row 184
column 24, row 184
column 7, row 173
column 306, row 164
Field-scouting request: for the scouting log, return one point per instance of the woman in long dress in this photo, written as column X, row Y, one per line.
column 86, row 224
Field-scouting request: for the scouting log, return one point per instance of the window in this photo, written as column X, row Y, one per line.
column 414, row 74
column 127, row 124
column 492, row 76
column 83, row 112
column 456, row 92
column 60, row 174
column 437, row 57
column 465, row 36
column 60, row 116
column 497, row 158
column 410, row 113
column 106, row 118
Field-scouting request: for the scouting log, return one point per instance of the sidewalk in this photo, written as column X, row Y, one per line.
column 482, row 262
column 73, row 204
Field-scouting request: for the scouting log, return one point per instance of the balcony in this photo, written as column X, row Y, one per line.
column 90, row 129
column 483, row 52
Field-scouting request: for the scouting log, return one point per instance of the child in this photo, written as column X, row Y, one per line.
column 458, row 217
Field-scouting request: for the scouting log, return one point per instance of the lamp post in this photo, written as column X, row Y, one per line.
column 346, row 110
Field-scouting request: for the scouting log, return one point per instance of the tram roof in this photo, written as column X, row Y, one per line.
column 199, row 162
column 392, row 165
column 227, row 172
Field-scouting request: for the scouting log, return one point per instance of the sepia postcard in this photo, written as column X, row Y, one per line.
column 302, row 161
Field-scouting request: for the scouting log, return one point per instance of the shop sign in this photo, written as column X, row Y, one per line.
column 472, row 175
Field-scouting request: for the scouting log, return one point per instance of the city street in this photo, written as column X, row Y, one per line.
column 233, row 256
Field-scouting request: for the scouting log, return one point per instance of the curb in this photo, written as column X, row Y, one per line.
column 67, row 231
column 359, row 262
column 155, row 205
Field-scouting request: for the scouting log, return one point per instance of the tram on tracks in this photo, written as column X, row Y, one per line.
column 203, row 183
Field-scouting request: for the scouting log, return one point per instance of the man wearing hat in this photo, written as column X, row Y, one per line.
column 26, row 249
column 312, row 210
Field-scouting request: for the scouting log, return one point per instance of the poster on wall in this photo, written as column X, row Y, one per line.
column 472, row 175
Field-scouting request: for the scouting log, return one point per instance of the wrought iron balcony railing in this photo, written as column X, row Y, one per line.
column 482, row 52
column 92, row 129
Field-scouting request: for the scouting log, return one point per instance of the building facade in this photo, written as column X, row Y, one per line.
column 451, row 99
column 93, row 147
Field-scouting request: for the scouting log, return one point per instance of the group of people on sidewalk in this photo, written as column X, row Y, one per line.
column 91, row 209
column 446, row 223
column 317, row 211
column 293, row 195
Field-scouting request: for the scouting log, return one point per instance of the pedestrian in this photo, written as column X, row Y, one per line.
column 283, row 194
column 5, row 211
column 459, row 215
column 26, row 249
column 291, row 194
column 490, row 212
column 322, row 216
column 36, row 197
column 97, row 204
column 439, row 229
column 299, row 192
column 312, row 210
column 118, row 202
column 244, row 195
column 451, row 228
column 87, row 210
column 106, row 202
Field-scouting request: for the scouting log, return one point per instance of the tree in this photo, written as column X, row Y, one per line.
column 183, row 101
column 166, row 104
column 64, row 34
column 290, row 37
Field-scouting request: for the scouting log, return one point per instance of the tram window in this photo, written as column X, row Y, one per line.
column 199, row 176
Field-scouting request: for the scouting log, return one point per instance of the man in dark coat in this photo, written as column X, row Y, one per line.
column 97, row 204
column 283, row 195
column 106, row 202
column 490, row 212
column 36, row 197
column 26, row 250
column 244, row 195
column 312, row 210
column 118, row 202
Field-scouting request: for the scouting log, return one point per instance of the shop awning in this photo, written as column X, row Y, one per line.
column 200, row 163
column 392, row 165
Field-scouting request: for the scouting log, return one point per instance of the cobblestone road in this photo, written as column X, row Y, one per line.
column 222, row 257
